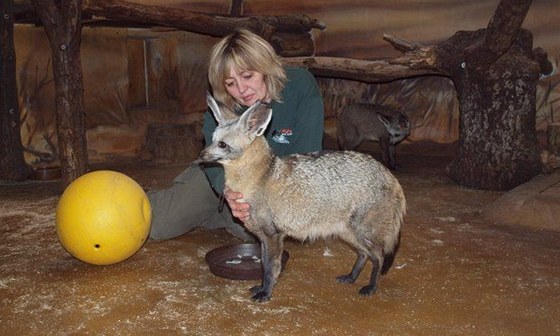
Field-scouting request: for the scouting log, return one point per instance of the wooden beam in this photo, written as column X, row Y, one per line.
column 289, row 34
column 360, row 70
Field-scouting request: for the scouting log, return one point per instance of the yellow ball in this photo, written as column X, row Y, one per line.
column 103, row 217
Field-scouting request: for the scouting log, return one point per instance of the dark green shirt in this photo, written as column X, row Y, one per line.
column 296, row 126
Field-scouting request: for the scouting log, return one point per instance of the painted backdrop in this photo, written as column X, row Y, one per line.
column 137, row 77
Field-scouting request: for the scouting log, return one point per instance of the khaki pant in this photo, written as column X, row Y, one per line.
column 190, row 203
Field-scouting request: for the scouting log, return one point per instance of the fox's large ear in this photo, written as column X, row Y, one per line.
column 256, row 119
column 403, row 121
column 222, row 114
column 384, row 120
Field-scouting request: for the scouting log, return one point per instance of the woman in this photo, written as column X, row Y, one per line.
column 243, row 68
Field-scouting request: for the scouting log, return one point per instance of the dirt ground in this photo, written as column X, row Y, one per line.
column 455, row 274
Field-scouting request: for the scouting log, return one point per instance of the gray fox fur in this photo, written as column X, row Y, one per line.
column 326, row 194
column 375, row 122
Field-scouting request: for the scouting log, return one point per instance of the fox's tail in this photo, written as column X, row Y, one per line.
column 390, row 257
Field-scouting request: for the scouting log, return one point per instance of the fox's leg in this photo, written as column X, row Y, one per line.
column 392, row 159
column 353, row 142
column 376, row 257
column 358, row 266
column 366, row 248
column 349, row 137
column 264, row 243
column 386, row 151
column 271, row 259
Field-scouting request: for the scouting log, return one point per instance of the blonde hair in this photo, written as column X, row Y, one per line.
column 244, row 51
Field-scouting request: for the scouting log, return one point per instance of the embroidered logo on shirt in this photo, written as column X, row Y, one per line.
column 281, row 135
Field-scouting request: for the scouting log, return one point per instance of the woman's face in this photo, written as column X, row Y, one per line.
column 246, row 87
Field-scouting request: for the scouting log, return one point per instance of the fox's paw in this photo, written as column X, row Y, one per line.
column 367, row 290
column 261, row 296
column 256, row 289
column 345, row 279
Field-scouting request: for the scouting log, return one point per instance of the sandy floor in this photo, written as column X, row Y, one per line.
column 454, row 274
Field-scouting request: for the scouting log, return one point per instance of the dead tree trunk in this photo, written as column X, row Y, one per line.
column 496, row 84
column 498, row 148
column 12, row 163
column 62, row 22
column 495, row 74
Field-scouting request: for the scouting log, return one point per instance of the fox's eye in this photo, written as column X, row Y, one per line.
column 222, row 144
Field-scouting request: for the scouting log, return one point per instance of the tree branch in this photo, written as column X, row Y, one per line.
column 288, row 34
column 214, row 25
column 415, row 55
column 500, row 33
column 361, row 70
column 401, row 44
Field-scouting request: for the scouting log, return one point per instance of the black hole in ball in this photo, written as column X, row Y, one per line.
column 97, row 246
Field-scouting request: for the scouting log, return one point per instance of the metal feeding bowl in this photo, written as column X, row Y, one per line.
column 238, row 262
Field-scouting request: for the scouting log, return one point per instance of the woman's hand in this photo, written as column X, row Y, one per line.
column 239, row 209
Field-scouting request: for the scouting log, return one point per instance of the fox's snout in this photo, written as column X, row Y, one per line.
column 206, row 156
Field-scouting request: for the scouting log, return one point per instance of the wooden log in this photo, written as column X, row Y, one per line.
column 62, row 23
column 290, row 34
column 500, row 33
column 360, row 70
column 12, row 162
